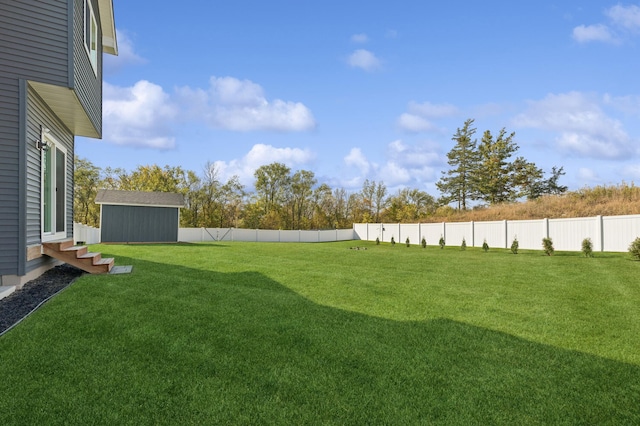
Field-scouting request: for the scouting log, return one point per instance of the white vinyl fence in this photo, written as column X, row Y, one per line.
column 607, row 233
column 85, row 234
column 89, row 235
column 263, row 235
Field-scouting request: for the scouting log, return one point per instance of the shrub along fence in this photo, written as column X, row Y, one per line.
column 608, row 233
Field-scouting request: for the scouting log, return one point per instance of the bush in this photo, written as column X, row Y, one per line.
column 441, row 242
column 463, row 246
column 377, row 241
column 514, row 246
column 393, row 241
column 485, row 246
column 424, row 243
column 634, row 249
column 408, row 243
column 547, row 245
column 587, row 247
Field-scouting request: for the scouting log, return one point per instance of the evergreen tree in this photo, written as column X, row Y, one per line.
column 456, row 184
column 495, row 179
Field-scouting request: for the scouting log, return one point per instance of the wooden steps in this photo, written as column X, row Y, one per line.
column 78, row 256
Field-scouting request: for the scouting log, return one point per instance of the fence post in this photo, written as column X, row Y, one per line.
column 444, row 231
column 545, row 228
column 473, row 234
column 506, row 234
column 600, row 232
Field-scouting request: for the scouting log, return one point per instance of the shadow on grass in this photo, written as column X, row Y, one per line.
column 175, row 345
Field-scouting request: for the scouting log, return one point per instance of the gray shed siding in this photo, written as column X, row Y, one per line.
column 138, row 224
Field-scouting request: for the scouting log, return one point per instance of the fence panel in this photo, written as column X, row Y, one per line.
column 620, row 231
column 345, row 235
column 390, row 230
column 411, row 231
column 456, row 231
column 528, row 232
column 567, row 234
column 85, row 234
column 248, row 235
column 431, row 232
column 360, row 231
column 289, row 236
column 492, row 232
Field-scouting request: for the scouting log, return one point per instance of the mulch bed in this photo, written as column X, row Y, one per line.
column 20, row 303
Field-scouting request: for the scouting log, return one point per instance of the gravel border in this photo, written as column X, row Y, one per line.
column 19, row 304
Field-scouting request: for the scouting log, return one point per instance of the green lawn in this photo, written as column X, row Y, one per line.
column 244, row 333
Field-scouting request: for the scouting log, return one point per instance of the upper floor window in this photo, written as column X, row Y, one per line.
column 91, row 35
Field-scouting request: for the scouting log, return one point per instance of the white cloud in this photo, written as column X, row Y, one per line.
column 584, row 128
column 126, row 55
column 414, row 123
column 364, row 59
column 241, row 105
column 624, row 21
column 138, row 115
column 404, row 165
column 261, row 155
column 627, row 17
column 359, row 38
column 411, row 163
column 356, row 159
column 588, row 33
column 394, row 174
column 419, row 115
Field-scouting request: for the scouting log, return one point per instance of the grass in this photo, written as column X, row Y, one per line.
column 264, row 333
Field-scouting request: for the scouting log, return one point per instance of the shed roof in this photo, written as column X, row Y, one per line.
column 139, row 198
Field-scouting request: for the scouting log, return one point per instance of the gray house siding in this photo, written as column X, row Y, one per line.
column 46, row 80
column 87, row 85
column 34, row 45
column 9, row 174
column 129, row 224
column 38, row 114
column 34, row 41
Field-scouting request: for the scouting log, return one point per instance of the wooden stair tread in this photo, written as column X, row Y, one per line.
column 78, row 256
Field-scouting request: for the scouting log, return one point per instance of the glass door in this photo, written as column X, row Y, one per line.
column 54, row 179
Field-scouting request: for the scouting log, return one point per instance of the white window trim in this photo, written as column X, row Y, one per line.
column 52, row 144
column 92, row 30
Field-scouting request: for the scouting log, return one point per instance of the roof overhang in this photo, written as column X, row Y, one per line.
column 65, row 104
column 107, row 21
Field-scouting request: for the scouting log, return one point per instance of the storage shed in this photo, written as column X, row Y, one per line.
column 139, row 217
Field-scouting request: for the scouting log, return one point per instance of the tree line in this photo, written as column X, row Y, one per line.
column 286, row 199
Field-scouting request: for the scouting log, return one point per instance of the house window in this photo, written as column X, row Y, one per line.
column 91, row 35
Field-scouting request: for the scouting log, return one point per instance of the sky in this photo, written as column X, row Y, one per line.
column 354, row 90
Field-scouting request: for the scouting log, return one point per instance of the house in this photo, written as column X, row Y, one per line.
column 139, row 217
column 50, row 91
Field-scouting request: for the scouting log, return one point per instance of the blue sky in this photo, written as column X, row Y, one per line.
column 355, row 90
